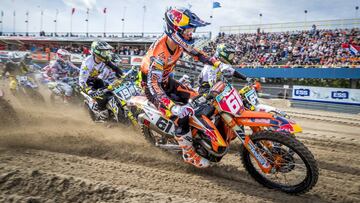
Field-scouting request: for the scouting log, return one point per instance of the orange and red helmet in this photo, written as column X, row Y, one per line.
column 180, row 24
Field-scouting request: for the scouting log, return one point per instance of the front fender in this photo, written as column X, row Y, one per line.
column 287, row 125
column 265, row 108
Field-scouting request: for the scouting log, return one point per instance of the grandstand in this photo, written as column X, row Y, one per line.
column 318, row 50
column 292, row 26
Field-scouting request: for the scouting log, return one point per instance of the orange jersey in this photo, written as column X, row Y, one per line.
column 157, row 65
column 159, row 52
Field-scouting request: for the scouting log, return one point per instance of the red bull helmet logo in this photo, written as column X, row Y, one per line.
column 178, row 18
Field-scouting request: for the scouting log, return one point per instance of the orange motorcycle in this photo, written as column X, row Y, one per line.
column 275, row 159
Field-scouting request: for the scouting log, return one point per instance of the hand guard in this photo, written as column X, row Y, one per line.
column 182, row 111
column 227, row 70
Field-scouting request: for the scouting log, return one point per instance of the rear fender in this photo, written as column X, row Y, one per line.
column 138, row 101
column 270, row 109
column 265, row 108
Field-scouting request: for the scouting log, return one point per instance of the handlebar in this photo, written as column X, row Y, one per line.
column 118, row 81
column 129, row 72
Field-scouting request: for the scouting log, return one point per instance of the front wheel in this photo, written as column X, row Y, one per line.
column 295, row 169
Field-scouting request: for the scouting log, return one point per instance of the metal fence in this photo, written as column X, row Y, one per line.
column 292, row 26
column 206, row 35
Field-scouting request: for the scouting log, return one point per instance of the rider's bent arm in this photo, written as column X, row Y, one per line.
column 83, row 76
column 202, row 57
column 154, row 80
column 73, row 66
column 116, row 69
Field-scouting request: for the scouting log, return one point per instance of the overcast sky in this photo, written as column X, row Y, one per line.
column 232, row 12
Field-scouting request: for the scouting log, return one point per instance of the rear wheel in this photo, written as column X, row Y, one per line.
column 123, row 119
column 89, row 110
column 296, row 170
column 150, row 136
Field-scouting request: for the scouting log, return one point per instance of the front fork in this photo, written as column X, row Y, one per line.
column 263, row 163
column 129, row 114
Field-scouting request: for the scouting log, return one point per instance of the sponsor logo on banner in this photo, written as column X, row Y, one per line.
column 302, row 92
column 136, row 60
column 327, row 94
column 125, row 59
column 340, row 95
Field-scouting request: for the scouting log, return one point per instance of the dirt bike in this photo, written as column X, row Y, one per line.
column 58, row 93
column 27, row 87
column 250, row 99
column 219, row 119
column 122, row 90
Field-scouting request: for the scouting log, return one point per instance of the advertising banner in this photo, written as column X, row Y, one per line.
column 77, row 58
column 327, row 94
column 136, row 60
column 125, row 60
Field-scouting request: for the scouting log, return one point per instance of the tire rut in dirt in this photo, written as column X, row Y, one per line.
column 39, row 186
column 188, row 182
column 8, row 115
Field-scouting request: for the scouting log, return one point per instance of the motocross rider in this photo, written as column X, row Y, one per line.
column 157, row 66
column 95, row 70
column 16, row 66
column 211, row 74
column 59, row 70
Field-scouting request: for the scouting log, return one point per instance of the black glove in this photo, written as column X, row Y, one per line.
column 117, row 70
column 237, row 74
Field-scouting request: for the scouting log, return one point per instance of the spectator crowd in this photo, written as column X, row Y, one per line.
column 85, row 50
column 324, row 48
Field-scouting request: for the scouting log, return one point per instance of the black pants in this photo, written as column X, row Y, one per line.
column 102, row 100
column 204, row 88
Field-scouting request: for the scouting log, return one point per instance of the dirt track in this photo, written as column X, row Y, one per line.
column 58, row 155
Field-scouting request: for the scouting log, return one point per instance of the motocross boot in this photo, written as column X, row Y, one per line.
column 100, row 115
column 189, row 154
